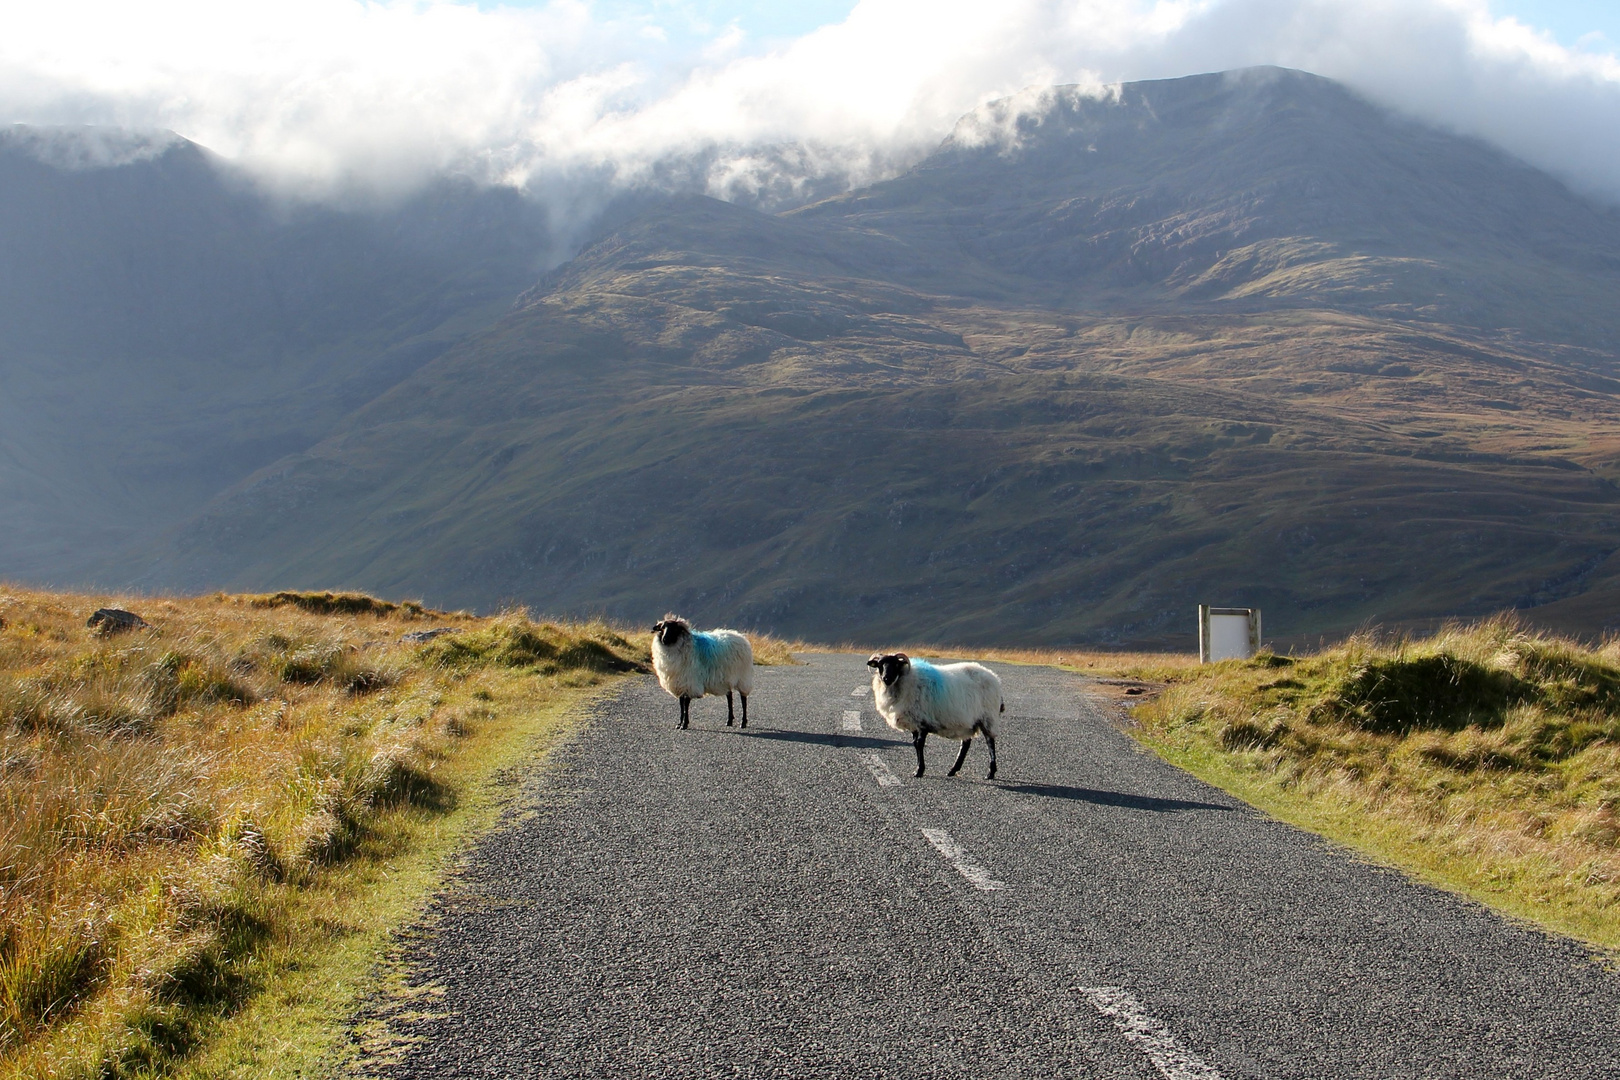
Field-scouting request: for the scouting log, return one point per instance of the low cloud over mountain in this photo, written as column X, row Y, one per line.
column 335, row 97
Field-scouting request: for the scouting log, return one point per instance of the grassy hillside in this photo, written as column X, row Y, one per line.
column 1483, row 758
column 211, row 824
column 1239, row 339
column 981, row 474
column 1231, row 339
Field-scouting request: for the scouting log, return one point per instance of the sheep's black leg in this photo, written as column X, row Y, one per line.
column 686, row 711
column 917, row 740
column 745, row 707
column 967, row 742
column 990, row 741
column 730, row 715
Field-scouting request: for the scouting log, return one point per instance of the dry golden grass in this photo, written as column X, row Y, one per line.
column 1105, row 663
column 772, row 651
column 1144, row 666
column 169, row 794
column 1485, row 758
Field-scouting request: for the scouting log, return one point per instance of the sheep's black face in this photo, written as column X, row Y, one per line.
column 669, row 632
column 889, row 666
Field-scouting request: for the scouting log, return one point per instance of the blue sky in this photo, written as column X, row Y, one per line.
column 1592, row 24
column 686, row 20
column 761, row 20
column 1569, row 20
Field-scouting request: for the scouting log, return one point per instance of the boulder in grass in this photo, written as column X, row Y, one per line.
column 417, row 637
column 109, row 620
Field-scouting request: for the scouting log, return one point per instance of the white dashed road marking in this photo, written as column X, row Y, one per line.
column 977, row 875
column 852, row 720
column 880, row 771
column 860, row 691
column 1148, row 1034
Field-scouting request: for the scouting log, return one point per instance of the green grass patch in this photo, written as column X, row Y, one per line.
column 1485, row 760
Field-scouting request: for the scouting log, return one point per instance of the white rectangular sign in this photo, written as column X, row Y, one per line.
column 1227, row 633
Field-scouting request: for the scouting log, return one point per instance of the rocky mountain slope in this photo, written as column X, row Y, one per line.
column 1237, row 338
column 1254, row 190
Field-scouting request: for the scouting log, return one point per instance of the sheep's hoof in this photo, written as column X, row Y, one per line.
column 729, row 722
column 951, row 773
column 917, row 773
column 992, row 774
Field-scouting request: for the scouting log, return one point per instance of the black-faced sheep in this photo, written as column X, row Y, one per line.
column 691, row 663
column 956, row 701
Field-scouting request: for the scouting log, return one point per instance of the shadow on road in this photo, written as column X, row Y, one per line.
column 1111, row 798
column 825, row 738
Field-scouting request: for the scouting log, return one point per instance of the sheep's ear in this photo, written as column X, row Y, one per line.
column 874, row 661
column 902, row 657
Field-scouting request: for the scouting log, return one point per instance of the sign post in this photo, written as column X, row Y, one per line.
column 1227, row 633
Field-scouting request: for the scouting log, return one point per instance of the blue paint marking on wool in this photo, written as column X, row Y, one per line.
column 707, row 652
column 930, row 683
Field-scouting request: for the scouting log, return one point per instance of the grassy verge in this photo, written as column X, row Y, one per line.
column 1485, row 760
column 211, row 824
column 773, row 651
column 1152, row 667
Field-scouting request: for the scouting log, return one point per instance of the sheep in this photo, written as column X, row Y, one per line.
column 691, row 663
column 957, row 701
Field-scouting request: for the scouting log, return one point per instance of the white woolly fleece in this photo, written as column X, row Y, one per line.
column 711, row 662
column 944, row 699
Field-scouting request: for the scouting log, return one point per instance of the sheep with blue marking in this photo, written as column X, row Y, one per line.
column 690, row 663
column 956, row 701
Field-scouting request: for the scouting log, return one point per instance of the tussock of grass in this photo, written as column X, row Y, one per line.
column 514, row 641
column 772, row 651
column 1486, row 758
column 171, row 798
column 326, row 603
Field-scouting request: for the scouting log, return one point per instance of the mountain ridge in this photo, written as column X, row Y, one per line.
column 1161, row 218
column 997, row 400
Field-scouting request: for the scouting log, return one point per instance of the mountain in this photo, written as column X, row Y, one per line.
column 1256, row 190
column 166, row 328
column 1236, row 338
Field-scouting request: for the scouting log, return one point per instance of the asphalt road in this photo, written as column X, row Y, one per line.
column 789, row 902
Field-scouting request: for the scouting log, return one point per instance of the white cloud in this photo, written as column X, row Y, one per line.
column 333, row 95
